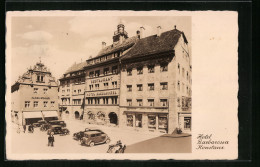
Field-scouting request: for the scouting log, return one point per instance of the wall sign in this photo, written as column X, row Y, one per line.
column 103, row 93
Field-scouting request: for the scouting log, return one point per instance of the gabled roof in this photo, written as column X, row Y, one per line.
column 76, row 67
column 154, row 44
column 117, row 46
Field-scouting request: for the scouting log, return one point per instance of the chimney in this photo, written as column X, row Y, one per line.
column 142, row 32
column 175, row 27
column 103, row 45
column 138, row 34
column 159, row 31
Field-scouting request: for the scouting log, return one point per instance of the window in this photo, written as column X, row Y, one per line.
column 164, row 67
column 52, row 103
column 138, row 120
column 139, row 102
column 139, row 70
column 114, row 70
column 45, row 91
column 68, row 83
column 68, row 90
column 63, row 91
column 129, row 88
column 45, row 104
column 139, row 87
column 97, row 73
column 151, row 86
column 35, row 90
column 187, row 75
column 182, row 89
column 97, row 100
column 91, row 74
column 162, row 122
column 178, row 85
column 163, row 102
column 130, row 120
column 129, row 72
column 114, row 84
column 90, row 87
column 129, row 102
column 105, row 100
column 106, row 85
column 151, row 69
column 151, row 121
column 164, row 86
column 179, row 68
column 106, row 71
column 183, row 72
column 27, row 104
column 75, row 91
column 35, row 104
column 79, row 91
column 114, row 100
column 97, row 86
column 187, row 123
column 151, row 102
column 187, row 90
column 76, row 101
column 40, row 78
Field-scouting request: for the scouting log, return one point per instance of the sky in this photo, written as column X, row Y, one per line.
column 61, row 41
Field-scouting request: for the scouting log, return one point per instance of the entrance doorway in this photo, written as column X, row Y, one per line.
column 113, row 118
column 76, row 115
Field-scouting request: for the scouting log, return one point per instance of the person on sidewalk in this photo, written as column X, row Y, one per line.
column 24, row 128
column 51, row 140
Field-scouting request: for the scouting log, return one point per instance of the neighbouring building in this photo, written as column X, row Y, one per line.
column 103, row 80
column 71, row 92
column 34, row 96
column 155, row 88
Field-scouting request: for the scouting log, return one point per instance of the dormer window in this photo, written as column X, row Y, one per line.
column 40, row 78
column 114, row 70
column 140, row 70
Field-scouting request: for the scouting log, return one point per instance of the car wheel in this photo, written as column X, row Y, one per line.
column 91, row 144
column 107, row 141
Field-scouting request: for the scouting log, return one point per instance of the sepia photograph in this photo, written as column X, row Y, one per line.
column 97, row 83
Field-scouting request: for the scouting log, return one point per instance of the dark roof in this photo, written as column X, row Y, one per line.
column 76, row 67
column 154, row 44
column 117, row 46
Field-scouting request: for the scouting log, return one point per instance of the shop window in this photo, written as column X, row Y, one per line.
column 35, row 104
column 114, row 70
column 164, row 85
column 164, row 67
column 35, row 90
column 151, row 86
column 129, row 72
column 151, row 102
column 114, row 84
column 139, row 87
column 129, row 88
column 106, row 71
column 163, row 102
column 91, row 74
column 27, row 104
column 106, row 85
column 151, row 69
column 139, row 102
column 52, row 103
column 97, row 73
column 139, row 70
column 45, row 103
column 187, row 123
column 138, row 120
column 162, row 122
column 129, row 102
column 45, row 91
column 130, row 120
column 152, row 121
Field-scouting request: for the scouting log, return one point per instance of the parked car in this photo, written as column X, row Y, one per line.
column 92, row 137
column 58, row 122
column 39, row 123
column 80, row 134
column 58, row 129
column 45, row 127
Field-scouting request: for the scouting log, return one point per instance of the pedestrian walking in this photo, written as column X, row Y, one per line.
column 51, row 140
column 24, row 128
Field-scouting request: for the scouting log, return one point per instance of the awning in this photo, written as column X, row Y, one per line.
column 50, row 113
column 32, row 114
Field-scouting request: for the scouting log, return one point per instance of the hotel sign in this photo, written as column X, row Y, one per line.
column 103, row 93
column 40, row 97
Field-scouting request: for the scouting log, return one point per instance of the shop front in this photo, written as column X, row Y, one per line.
column 185, row 122
column 30, row 117
column 50, row 115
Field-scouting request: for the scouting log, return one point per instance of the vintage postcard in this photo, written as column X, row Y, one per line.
column 121, row 85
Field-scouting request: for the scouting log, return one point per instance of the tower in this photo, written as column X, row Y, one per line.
column 120, row 35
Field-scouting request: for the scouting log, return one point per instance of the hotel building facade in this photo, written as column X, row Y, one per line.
column 34, row 96
column 141, row 83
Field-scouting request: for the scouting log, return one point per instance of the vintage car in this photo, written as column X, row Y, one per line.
column 39, row 123
column 58, row 129
column 80, row 134
column 92, row 137
column 45, row 126
column 58, row 122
